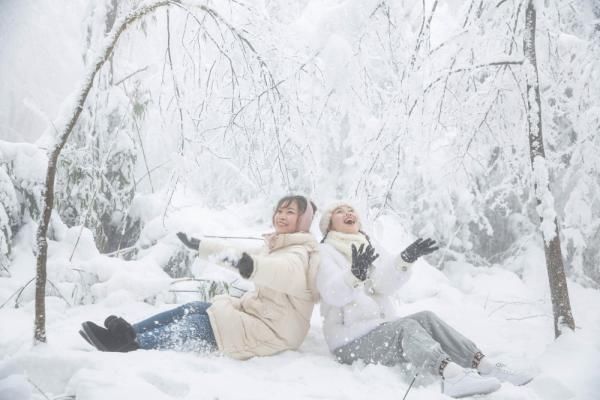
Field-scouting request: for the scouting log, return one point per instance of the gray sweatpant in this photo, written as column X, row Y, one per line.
column 422, row 339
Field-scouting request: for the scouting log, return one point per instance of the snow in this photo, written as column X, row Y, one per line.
column 508, row 316
column 545, row 209
column 337, row 126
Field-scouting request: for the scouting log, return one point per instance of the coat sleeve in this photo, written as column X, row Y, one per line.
column 284, row 272
column 389, row 274
column 337, row 285
column 223, row 253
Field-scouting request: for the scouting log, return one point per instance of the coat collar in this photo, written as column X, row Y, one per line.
column 276, row 241
column 343, row 242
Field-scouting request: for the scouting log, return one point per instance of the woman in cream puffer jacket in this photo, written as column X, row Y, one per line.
column 272, row 318
column 276, row 315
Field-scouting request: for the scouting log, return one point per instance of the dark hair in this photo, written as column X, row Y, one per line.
column 301, row 201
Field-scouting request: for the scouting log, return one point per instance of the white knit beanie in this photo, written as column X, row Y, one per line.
column 328, row 212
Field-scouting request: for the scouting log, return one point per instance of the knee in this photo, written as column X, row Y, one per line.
column 197, row 307
column 426, row 316
column 407, row 324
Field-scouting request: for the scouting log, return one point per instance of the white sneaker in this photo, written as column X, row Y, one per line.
column 469, row 383
column 501, row 372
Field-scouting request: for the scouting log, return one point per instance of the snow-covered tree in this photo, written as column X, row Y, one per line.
column 559, row 292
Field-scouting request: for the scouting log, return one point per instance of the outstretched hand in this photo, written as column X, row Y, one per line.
column 361, row 260
column 245, row 266
column 191, row 242
column 417, row 249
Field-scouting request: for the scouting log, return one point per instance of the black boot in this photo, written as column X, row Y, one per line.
column 105, row 340
column 120, row 328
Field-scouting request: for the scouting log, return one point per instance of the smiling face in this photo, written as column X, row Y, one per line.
column 285, row 219
column 345, row 219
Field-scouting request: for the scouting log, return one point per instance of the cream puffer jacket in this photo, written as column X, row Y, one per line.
column 351, row 308
column 276, row 315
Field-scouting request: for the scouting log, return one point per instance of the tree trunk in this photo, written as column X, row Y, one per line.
column 59, row 143
column 561, row 306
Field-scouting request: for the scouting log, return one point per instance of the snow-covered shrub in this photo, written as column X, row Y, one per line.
column 21, row 176
column 178, row 265
column 95, row 177
column 8, row 215
column 191, row 289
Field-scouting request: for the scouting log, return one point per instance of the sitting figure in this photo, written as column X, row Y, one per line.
column 272, row 318
column 361, row 322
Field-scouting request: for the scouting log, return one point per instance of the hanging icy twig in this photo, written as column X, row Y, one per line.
column 59, row 293
column 410, row 386
column 170, row 199
column 441, row 107
column 528, row 317
column 423, row 31
column 18, row 293
column 233, row 237
column 175, row 85
column 468, row 14
column 388, row 194
column 429, row 86
column 119, row 252
column 504, row 304
column 5, row 268
column 472, row 68
column 130, row 75
column 38, row 388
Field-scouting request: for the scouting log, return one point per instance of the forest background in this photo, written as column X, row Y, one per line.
column 417, row 111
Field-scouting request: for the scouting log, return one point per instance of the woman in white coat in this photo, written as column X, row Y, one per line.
column 362, row 323
column 272, row 318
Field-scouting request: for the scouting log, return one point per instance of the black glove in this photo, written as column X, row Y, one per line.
column 419, row 248
column 245, row 266
column 362, row 260
column 190, row 242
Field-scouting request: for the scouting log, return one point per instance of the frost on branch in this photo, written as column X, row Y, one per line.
column 545, row 208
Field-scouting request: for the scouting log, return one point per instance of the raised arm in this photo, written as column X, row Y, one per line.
column 389, row 274
column 393, row 272
column 222, row 252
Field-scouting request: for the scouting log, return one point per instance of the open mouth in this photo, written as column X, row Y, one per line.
column 349, row 221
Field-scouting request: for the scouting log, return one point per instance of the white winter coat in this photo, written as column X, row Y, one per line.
column 351, row 308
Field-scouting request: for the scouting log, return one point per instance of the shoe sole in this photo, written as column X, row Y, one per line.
column 84, row 336
column 471, row 394
column 522, row 384
column 92, row 338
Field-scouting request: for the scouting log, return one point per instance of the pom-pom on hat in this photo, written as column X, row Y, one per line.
column 328, row 212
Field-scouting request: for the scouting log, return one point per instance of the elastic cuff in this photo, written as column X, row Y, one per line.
column 352, row 280
column 477, row 357
column 369, row 286
column 402, row 265
column 443, row 364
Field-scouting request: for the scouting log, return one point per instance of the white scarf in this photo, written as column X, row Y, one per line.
column 343, row 242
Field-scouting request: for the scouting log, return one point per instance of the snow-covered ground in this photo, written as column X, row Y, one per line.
column 508, row 316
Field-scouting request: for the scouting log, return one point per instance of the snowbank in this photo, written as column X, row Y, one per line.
column 508, row 316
